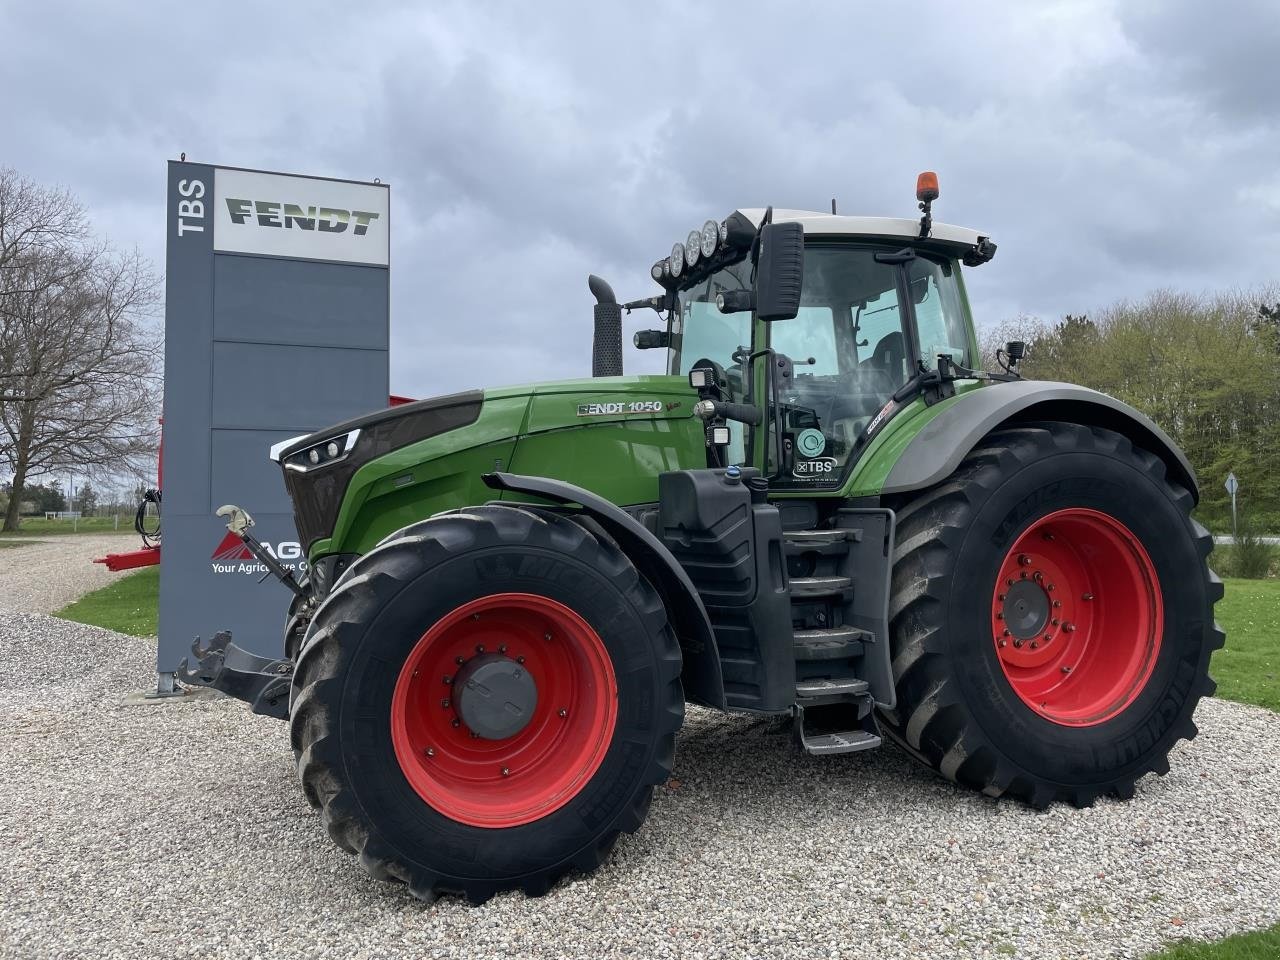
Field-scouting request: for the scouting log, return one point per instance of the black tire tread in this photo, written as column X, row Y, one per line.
column 373, row 580
column 929, row 720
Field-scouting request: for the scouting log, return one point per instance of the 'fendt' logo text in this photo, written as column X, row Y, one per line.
column 291, row 216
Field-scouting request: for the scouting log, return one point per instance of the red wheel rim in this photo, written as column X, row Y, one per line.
column 1077, row 616
column 519, row 778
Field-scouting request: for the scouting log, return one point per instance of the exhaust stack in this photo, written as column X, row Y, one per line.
column 606, row 347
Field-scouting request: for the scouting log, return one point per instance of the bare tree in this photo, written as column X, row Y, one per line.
column 78, row 350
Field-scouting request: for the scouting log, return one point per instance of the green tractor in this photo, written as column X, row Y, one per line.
column 823, row 512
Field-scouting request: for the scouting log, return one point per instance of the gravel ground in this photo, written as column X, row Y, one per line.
column 45, row 575
column 178, row 830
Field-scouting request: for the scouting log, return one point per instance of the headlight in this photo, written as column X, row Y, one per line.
column 710, row 237
column 692, row 247
column 658, row 270
column 323, row 453
column 675, row 263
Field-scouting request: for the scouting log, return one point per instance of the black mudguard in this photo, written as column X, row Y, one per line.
column 937, row 450
column 701, row 676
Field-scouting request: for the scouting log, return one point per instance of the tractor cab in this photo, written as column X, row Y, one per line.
column 880, row 300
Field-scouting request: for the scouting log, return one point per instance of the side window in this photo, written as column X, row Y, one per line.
column 811, row 333
column 938, row 314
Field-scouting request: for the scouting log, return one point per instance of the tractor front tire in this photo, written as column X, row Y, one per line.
column 485, row 701
column 1051, row 616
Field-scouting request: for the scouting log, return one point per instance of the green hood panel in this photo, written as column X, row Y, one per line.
column 611, row 435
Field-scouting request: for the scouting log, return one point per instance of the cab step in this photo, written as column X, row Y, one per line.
column 846, row 727
column 830, row 643
column 850, row 742
column 804, row 587
column 823, row 690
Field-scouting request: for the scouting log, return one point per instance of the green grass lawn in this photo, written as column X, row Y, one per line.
column 127, row 606
column 40, row 527
column 1248, row 668
column 1259, row 945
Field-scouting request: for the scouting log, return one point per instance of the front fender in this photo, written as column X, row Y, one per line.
column 935, row 452
column 701, row 674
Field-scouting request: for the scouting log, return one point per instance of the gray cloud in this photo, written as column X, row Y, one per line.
column 1109, row 148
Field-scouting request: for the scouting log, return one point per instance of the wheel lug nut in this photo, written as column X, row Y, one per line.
column 999, row 615
column 1005, row 634
column 1048, row 637
column 1009, row 581
column 1001, row 643
column 546, row 636
column 519, row 659
column 1050, row 587
column 447, row 680
column 1056, row 621
column 479, row 648
column 1069, row 627
column 1057, row 603
column 1066, row 669
column 506, row 772
column 445, row 703
column 459, row 661
column 563, row 712
column 1039, row 577
column 455, row 722
column 1048, row 536
column 1018, row 644
column 1002, row 596
column 431, row 751
column 502, row 648
column 1023, row 574
column 1087, row 596
column 1034, row 645
column 1024, row 560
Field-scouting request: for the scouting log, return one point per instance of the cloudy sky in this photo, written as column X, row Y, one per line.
column 1110, row 148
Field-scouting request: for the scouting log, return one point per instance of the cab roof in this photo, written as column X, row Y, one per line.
column 944, row 237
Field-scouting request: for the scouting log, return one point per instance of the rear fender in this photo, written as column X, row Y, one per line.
column 701, row 674
column 935, row 452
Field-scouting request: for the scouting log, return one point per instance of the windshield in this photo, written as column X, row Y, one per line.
column 851, row 349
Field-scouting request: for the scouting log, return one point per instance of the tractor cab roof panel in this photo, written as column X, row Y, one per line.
column 943, row 238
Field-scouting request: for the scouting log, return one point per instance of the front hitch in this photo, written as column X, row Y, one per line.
column 261, row 682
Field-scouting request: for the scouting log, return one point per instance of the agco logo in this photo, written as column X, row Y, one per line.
column 292, row 216
column 232, row 555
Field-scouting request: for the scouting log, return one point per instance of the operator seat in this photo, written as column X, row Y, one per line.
column 890, row 355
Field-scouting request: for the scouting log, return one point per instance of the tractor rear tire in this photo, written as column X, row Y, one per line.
column 485, row 701
column 1051, row 617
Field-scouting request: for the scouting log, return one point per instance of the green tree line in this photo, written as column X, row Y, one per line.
column 1206, row 368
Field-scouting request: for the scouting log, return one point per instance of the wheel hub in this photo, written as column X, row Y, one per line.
column 495, row 696
column 1026, row 609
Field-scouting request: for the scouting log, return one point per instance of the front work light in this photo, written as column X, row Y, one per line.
column 699, row 378
column 710, row 237
column 692, row 247
column 675, row 263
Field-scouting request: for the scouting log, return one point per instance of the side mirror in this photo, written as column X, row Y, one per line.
column 780, row 271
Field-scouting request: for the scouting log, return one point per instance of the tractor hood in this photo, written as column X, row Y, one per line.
column 404, row 453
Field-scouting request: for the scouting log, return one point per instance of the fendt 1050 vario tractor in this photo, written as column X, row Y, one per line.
column 823, row 511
